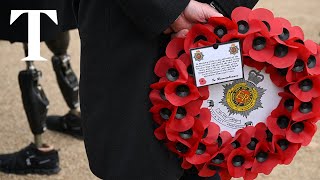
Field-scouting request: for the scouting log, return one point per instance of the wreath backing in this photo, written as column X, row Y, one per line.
column 269, row 43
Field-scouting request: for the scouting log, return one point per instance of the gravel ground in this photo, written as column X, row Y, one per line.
column 15, row 133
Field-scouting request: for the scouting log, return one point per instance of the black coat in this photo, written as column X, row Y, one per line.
column 18, row 31
column 120, row 44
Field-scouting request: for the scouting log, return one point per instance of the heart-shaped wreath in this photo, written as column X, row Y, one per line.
column 269, row 43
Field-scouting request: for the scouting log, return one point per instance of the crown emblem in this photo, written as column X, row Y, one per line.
column 255, row 76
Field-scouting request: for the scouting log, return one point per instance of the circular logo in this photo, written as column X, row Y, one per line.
column 241, row 97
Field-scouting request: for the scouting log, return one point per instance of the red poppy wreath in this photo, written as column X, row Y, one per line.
column 248, row 126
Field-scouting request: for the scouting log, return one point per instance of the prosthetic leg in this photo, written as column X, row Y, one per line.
column 69, row 86
column 34, row 99
column 66, row 77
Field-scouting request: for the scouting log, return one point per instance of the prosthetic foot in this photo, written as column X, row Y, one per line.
column 69, row 86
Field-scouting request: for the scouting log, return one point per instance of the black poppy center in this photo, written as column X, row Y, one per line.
column 298, row 66
column 282, row 72
column 297, row 127
column 181, row 148
column 181, row 52
column 288, row 104
column 252, row 145
column 283, row 122
column 219, row 141
column 306, row 85
column 243, row 27
column 285, row 34
column 190, row 70
column 269, row 135
column 238, row 161
column 259, row 43
column 218, row 159
column 181, row 113
column 267, row 24
column 200, row 37
column 172, row 74
column 205, row 133
column 281, row 51
column 182, row 91
column 213, row 168
column 220, row 31
column 186, row 134
column 305, row 107
column 201, row 149
column 262, row 157
column 283, row 144
column 235, row 144
column 299, row 41
column 312, row 61
column 165, row 113
column 162, row 95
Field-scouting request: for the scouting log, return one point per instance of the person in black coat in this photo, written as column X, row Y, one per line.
column 120, row 43
column 39, row 157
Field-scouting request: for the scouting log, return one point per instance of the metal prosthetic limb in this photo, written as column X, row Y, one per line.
column 34, row 100
column 67, row 80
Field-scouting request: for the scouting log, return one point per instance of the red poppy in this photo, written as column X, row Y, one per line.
column 265, row 160
column 287, row 102
column 284, row 56
column 240, row 16
column 202, row 81
column 209, row 170
column 252, row 63
column 258, row 47
column 210, row 134
column 157, row 97
column 185, row 164
column 313, row 64
column 179, row 148
column 273, row 26
column 204, row 117
column 171, row 69
column 175, row 48
column 185, row 58
column 198, row 33
column 250, row 175
column 306, row 88
column 278, row 122
column 286, row 149
column 297, row 70
column 162, row 112
column 278, row 76
column 312, row 46
column 306, row 110
column 288, row 32
column 238, row 161
column 201, row 153
column 159, row 85
column 160, row 132
column 189, row 137
column 222, row 26
column 183, row 118
column 241, row 139
column 180, row 94
column 217, row 164
column 301, row 132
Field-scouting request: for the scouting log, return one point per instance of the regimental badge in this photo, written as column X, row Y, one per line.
column 198, row 55
column 244, row 96
column 234, row 49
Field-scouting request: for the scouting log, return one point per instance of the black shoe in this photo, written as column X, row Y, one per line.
column 68, row 124
column 30, row 160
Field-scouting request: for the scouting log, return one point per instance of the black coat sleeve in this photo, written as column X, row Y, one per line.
column 226, row 7
column 153, row 16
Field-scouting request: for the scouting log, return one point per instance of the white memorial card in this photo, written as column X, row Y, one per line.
column 217, row 64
